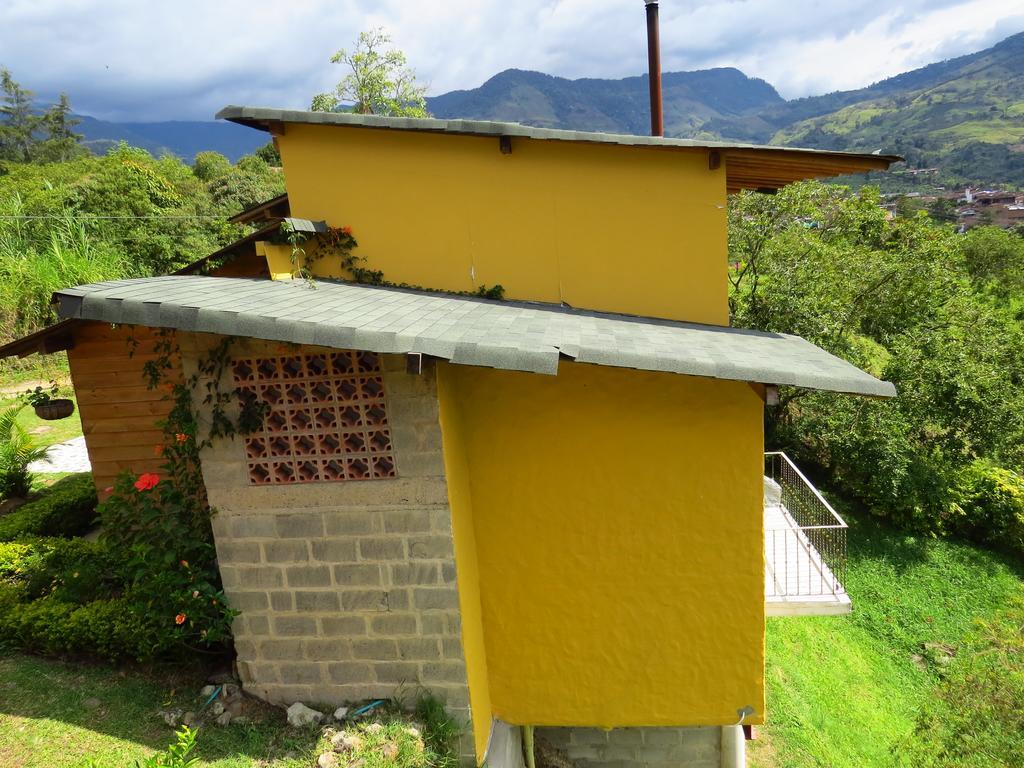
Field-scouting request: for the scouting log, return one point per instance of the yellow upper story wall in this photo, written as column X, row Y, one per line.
column 617, row 522
column 620, row 229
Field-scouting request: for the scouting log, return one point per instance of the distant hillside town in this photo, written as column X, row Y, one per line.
column 969, row 208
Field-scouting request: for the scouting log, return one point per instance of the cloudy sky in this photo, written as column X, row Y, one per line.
column 132, row 60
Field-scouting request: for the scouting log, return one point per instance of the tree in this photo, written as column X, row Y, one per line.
column 380, row 83
column 268, row 153
column 61, row 142
column 943, row 210
column 19, row 121
column 909, row 301
column 26, row 135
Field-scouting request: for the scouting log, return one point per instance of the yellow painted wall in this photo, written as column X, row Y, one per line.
column 618, row 526
column 456, row 472
column 635, row 230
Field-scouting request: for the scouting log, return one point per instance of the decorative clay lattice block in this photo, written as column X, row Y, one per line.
column 326, row 419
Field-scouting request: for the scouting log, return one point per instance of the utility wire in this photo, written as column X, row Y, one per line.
column 90, row 217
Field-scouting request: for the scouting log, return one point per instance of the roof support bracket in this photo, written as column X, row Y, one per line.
column 505, row 144
column 714, row 160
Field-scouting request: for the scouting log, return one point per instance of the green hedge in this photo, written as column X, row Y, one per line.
column 107, row 628
column 64, row 596
column 73, row 570
column 67, row 508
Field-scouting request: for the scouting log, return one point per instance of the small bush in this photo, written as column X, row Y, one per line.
column 165, row 544
column 106, row 628
column 990, row 506
column 74, row 570
column 17, row 451
column 177, row 754
column 68, row 508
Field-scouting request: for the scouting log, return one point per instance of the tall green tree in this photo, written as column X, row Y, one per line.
column 18, row 120
column 28, row 135
column 380, row 81
column 61, row 143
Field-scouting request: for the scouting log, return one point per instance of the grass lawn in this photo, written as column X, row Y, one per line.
column 46, row 720
column 846, row 691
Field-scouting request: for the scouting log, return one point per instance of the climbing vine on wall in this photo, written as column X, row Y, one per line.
column 160, row 523
column 339, row 243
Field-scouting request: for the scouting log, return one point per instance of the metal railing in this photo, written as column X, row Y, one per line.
column 805, row 539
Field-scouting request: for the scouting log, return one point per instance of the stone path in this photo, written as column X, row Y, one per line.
column 64, row 457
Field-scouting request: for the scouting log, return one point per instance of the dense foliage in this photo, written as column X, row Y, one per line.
column 68, row 508
column 125, row 214
column 937, row 313
column 149, row 586
column 68, row 217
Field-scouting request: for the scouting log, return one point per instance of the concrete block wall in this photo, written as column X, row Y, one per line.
column 346, row 590
column 697, row 747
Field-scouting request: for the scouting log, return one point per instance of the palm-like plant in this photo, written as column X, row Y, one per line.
column 17, row 451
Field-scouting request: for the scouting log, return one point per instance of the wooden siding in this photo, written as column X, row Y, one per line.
column 119, row 412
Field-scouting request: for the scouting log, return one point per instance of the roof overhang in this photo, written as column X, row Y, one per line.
column 748, row 166
column 509, row 335
column 53, row 338
column 274, row 209
column 232, row 250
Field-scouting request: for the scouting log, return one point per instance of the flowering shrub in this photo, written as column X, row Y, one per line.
column 165, row 540
column 159, row 526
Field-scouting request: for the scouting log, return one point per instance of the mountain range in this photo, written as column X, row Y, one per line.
column 964, row 116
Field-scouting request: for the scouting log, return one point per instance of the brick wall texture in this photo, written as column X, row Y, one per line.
column 636, row 747
column 346, row 590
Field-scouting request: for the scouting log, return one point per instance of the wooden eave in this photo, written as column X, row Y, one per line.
column 53, row 338
column 274, row 209
column 775, row 168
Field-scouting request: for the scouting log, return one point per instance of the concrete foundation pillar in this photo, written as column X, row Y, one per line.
column 734, row 747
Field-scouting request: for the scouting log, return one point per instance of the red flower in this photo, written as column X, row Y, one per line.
column 346, row 231
column 158, row 450
column 147, row 481
column 179, row 619
column 108, row 489
column 181, row 437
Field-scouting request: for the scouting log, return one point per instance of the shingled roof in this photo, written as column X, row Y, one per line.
column 747, row 166
column 464, row 330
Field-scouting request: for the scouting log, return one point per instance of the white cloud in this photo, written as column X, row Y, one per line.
column 123, row 59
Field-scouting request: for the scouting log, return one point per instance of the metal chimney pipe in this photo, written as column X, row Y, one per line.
column 654, row 68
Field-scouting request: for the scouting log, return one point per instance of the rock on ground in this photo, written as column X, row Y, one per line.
column 346, row 742
column 299, row 714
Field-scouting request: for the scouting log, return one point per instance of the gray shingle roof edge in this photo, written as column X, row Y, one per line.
column 515, row 336
column 255, row 116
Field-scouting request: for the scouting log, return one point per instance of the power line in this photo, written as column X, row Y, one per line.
column 90, row 217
